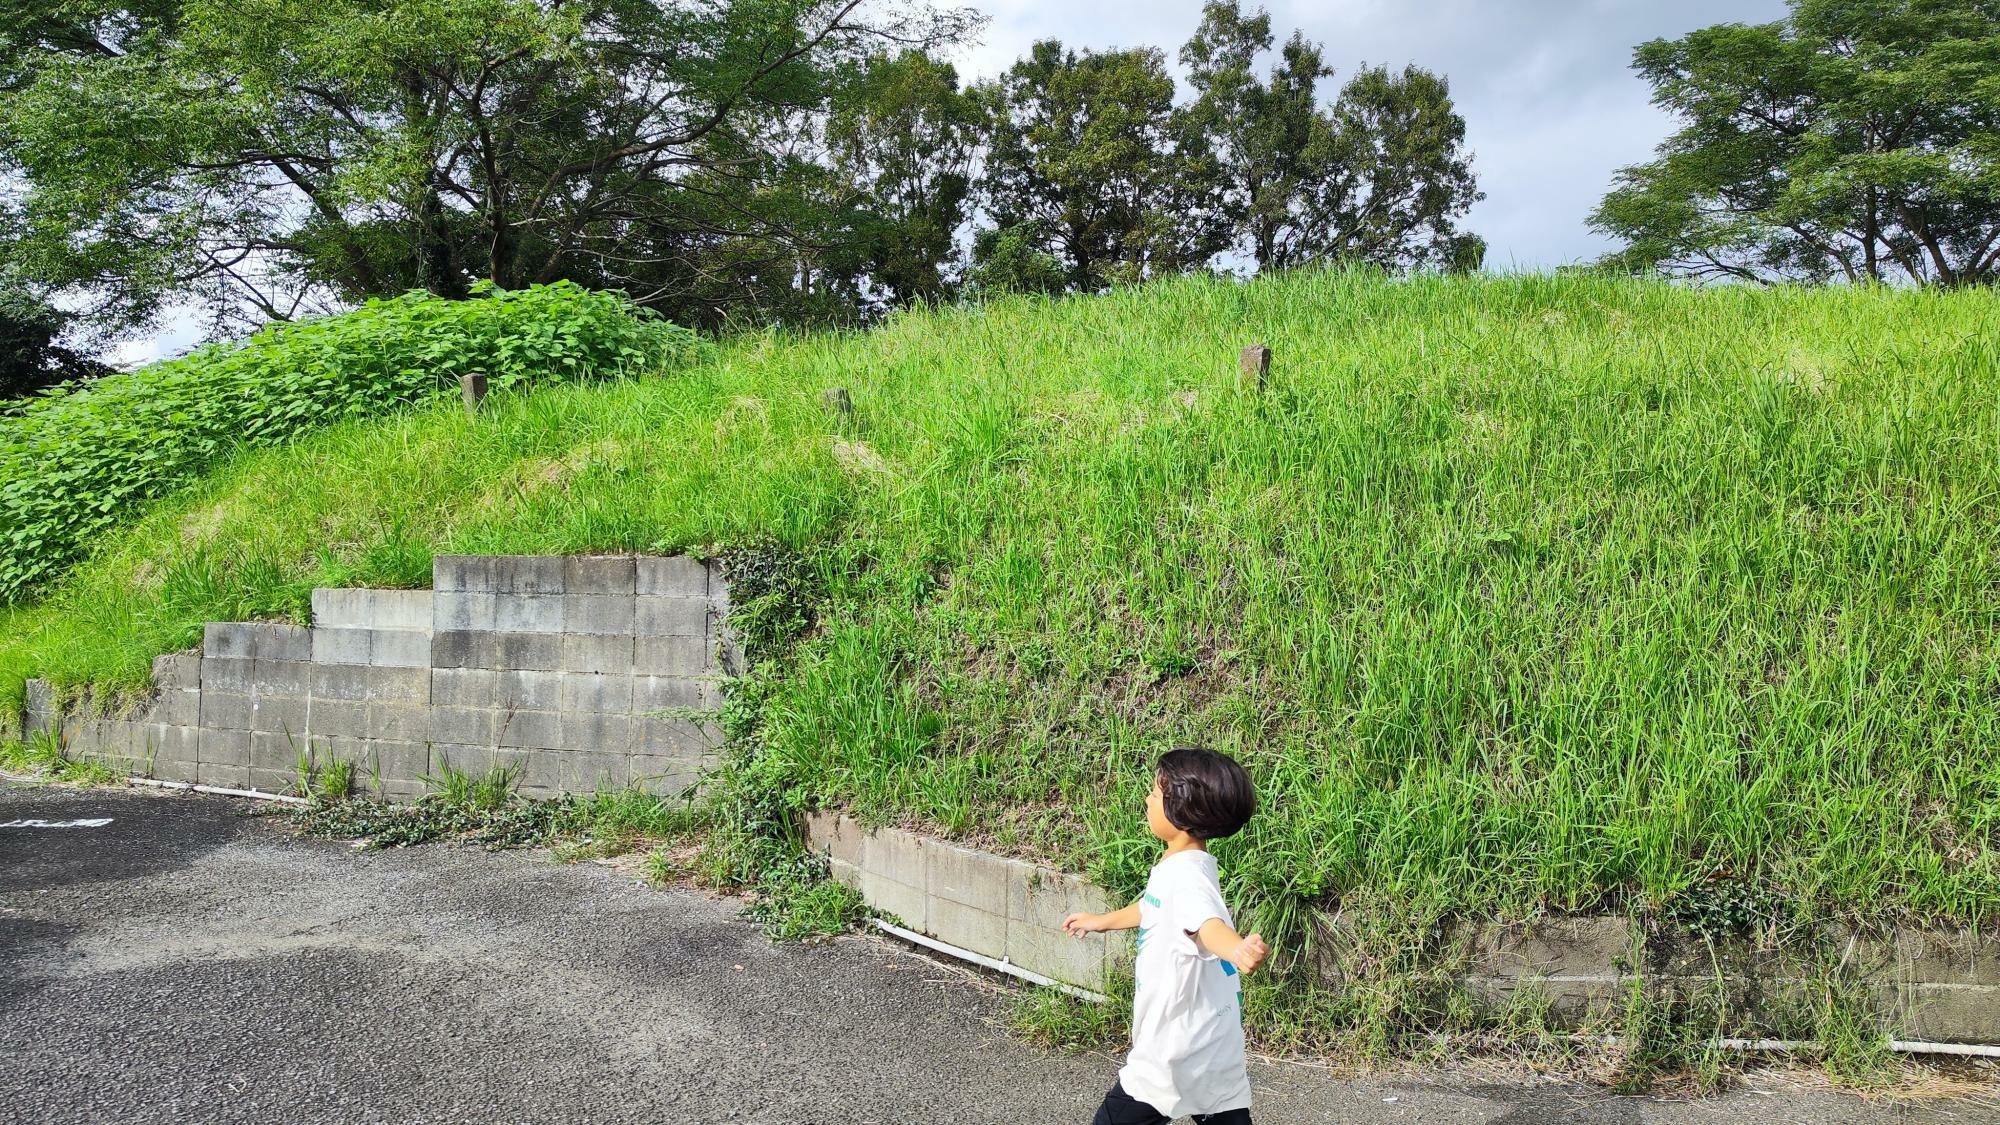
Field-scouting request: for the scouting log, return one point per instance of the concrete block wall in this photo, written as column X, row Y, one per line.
column 1002, row 908
column 578, row 672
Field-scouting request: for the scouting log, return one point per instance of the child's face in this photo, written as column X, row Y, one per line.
column 1156, row 814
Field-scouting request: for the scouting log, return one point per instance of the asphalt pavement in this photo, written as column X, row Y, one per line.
column 168, row 958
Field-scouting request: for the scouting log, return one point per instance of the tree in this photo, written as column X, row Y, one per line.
column 1856, row 139
column 1086, row 167
column 290, row 156
column 903, row 137
column 32, row 356
column 1381, row 176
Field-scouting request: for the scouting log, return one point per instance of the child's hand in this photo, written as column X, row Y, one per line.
column 1080, row 923
column 1249, row 954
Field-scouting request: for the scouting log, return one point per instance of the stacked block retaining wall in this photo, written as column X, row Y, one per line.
column 578, row 672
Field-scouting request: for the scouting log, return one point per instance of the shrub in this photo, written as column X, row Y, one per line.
column 81, row 460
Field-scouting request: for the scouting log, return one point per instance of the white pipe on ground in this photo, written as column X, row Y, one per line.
column 1004, row 966
column 217, row 790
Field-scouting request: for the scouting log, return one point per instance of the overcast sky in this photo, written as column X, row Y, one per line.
column 1551, row 105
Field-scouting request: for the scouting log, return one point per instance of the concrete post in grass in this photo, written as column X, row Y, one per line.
column 837, row 402
column 1253, row 367
column 472, row 387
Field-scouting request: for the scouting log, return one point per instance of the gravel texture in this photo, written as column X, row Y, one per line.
column 188, row 962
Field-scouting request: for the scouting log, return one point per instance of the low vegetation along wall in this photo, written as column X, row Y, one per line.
column 1930, row 987
column 575, row 672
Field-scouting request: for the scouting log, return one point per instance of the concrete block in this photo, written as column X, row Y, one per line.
column 1549, row 947
column 399, row 722
column 276, row 713
column 597, row 653
column 540, row 652
column 177, row 744
column 665, row 776
column 399, row 648
column 461, row 572
column 175, row 769
column 228, row 640
column 1047, row 950
column 529, row 613
column 282, row 677
column 836, row 834
column 600, row 574
column 901, row 901
column 674, row 738
column 576, row 771
column 229, row 675
column 895, row 855
column 398, row 685
column 464, row 611
column 178, row 706
column 40, row 697
column 970, row 878
column 455, row 649
column 599, row 614
column 270, row 750
column 670, row 656
column 275, row 642
column 593, row 691
column 601, row 733
column 177, row 670
column 668, row 616
column 339, row 645
column 1043, row 898
column 224, row 748
column 358, row 608
column 526, row 574
column 529, row 729
column 222, row 710
column 675, row 575
column 464, row 726
column 967, row 927
column 395, row 761
column 222, row 774
column 464, row 687
column 844, row 873
column 337, row 718
column 652, row 694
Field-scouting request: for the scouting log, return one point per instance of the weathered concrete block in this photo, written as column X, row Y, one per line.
column 675, row 575
column 1035, row 939
column 176, row 744
column 658, row 693
column 229, row 675
column 339, row 646
column 529, row 729
column 337, row 718
column 670, row 656
column 222, row 710
column 674, row 738
column 464, row 611
column 529, row 613
column 279, row 643
column 455, row 649
column 40, row 697
column 895, row 855
column 596, row 692
column 490, row 688
column 603, row 733
column 600, row 614
column 228, row 640
column 461, row 572
column 1550, row 947
column 281, row 677
column 836, row 834
column 399, row 722
column 967, row 927
column 224, row 748
column 222, row 774
column 271, row 750
column 399, row 648
column 276, row 713
column 367, row 683
column 971, row 878
column 182, row 770
column 540, row 652
column 178, row 706
column 901, row 901
column 576, row 771
column 666, row 776
column 397, row 761
column 527, row 574
column 1043, row 899
column 177, row 670
column 600, row 574
column 358, row 608
column 845, row 873
column 465, row 726
column 597, row 653
column 667, row 616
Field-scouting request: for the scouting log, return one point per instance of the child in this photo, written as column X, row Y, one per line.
column 1187, row 1016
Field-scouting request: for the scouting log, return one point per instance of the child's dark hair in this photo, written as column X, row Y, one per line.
column 1205, row 793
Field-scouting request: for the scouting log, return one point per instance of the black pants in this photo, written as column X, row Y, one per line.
column 1121, row 1108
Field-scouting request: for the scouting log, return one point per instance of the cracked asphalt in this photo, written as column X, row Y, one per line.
column 188, row 962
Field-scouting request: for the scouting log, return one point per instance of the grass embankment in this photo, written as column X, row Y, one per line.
column 1515, row 594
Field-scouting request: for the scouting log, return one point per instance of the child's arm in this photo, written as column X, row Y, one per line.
column 1080, row 923
column 1220, row 939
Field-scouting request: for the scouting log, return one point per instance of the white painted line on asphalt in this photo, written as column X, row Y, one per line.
column 96, row 822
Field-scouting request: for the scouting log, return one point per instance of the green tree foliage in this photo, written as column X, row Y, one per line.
column 32, row 355
column 295, row 156
column 1856, row 139
column 1380, row 176
column 1088, row 168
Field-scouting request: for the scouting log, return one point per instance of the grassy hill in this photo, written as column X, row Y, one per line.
column 1516, row 594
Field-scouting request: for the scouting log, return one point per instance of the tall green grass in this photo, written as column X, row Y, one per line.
column 1514, row 593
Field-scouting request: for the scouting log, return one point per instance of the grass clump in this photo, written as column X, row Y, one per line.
column 42, row 755
column 82, row 460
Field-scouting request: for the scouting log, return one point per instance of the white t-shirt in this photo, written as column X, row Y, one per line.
column 1187, row 1016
